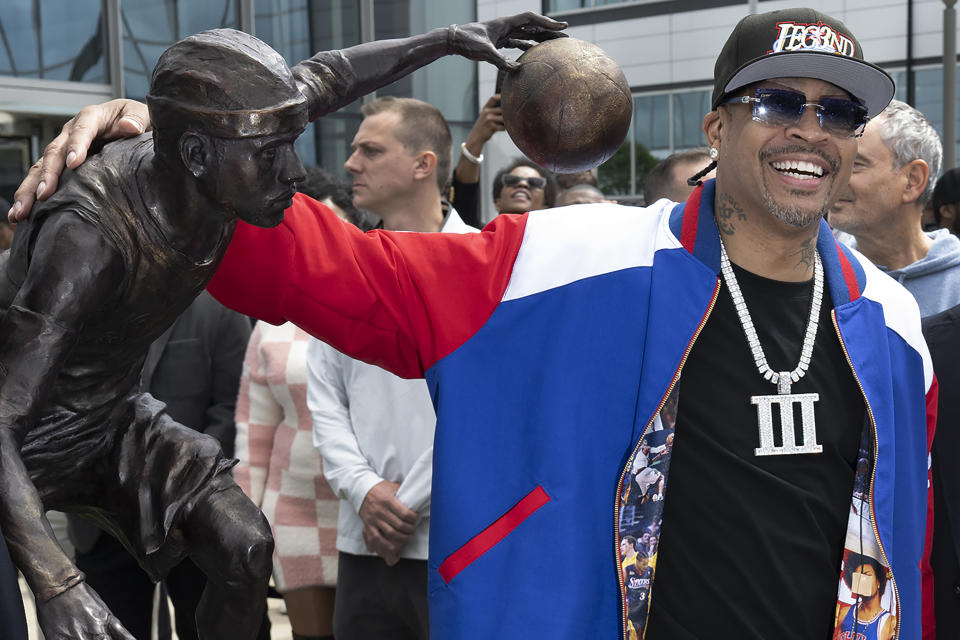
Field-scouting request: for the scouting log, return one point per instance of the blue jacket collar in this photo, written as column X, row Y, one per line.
column 694, row 224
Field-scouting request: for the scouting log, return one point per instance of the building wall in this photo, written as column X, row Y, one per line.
column 666, row 48
column 672, row 54
column 57, row 56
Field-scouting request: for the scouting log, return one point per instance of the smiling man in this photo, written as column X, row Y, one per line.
column 732, row 326
column 734, row 321
column 898, row 159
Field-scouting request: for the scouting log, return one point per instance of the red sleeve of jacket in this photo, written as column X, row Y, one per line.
column 926, row 570
column 398, row 300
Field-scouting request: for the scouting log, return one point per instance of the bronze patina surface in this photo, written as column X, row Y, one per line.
column 106, row 264
column 568, row 106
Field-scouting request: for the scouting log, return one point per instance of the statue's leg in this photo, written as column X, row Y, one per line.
column 229, row 539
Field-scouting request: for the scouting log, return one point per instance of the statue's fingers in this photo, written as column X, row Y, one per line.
column 533, row 20
column 117, row 632
column 517, row 43
column 503, row 62
column 542, row 36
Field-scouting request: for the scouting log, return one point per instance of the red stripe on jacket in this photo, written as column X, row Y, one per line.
column 927, row 617
column 489, row 537
column 398, row 300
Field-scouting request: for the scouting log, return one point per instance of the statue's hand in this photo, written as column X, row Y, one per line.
column 480, row 40
column 79, row 614
column 115, row 119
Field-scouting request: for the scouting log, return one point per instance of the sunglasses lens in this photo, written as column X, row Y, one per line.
column 842, row 117
column 837, row 116
column 510, row 180
column 778, row 107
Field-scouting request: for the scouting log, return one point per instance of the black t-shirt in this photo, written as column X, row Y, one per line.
column 751, row 546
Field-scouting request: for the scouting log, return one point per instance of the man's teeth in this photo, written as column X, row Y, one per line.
column 799, row 169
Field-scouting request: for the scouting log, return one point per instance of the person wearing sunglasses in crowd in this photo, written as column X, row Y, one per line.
column 523, row 186
column 734, row 321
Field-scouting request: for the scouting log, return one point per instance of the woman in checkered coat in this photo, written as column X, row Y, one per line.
column 281, row 471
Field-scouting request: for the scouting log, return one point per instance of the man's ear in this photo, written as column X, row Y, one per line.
column 426, row 165
column 197, row 153
column 712, row 128
column 916, row 173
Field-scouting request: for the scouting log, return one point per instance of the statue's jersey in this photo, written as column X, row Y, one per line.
column 98, row 446
column 159, row 283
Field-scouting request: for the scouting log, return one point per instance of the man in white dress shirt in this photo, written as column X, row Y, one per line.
column 373, row 429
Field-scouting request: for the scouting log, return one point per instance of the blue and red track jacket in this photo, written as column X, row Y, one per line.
column 573, row 323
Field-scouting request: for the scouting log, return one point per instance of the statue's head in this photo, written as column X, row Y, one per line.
column 226, row 107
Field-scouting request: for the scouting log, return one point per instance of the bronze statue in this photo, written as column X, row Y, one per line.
column 104, row 267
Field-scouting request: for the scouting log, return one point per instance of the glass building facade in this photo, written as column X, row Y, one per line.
column 58, row 55
column 296, row 28
column 551, row 6
column 54, row 40
column 666, row 122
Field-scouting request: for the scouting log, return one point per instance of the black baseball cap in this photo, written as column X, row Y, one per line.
column 800, row 43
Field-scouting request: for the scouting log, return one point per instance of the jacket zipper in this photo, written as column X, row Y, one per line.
column 873, row 475
column 646, row 429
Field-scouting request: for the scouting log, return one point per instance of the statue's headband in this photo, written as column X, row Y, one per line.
column 171, row 113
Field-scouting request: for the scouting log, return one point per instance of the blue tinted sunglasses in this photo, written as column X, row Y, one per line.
column 781, row 107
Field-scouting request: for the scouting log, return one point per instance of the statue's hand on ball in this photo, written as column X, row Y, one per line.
column 480, row 40
column 567, row 106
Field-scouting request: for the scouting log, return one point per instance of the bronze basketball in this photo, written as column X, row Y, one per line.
column 567, row 106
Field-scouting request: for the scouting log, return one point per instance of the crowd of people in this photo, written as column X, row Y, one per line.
column 398, row 504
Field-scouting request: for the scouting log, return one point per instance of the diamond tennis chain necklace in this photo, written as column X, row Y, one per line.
column 783, row 379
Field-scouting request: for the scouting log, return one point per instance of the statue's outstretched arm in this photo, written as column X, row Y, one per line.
column 72, row 271
column 333, row 79
column 329, row 80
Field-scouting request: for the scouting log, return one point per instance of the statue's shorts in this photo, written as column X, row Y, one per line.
column 130, row 468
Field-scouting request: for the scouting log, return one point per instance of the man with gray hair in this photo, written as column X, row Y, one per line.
column 898, row 160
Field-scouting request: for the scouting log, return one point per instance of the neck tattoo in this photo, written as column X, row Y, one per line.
column 784, row 399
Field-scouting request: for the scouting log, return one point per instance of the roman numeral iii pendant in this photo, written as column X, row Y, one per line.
column 785, row 401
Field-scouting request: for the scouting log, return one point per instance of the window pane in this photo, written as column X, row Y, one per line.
column 651, row 122
column 651, row 126
column 566, row 5
column 54, row 40
column 928, row 96
column 613, row 176
column 449, row 83
column 688, row 111
column 286, row 26
column 150, row 26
